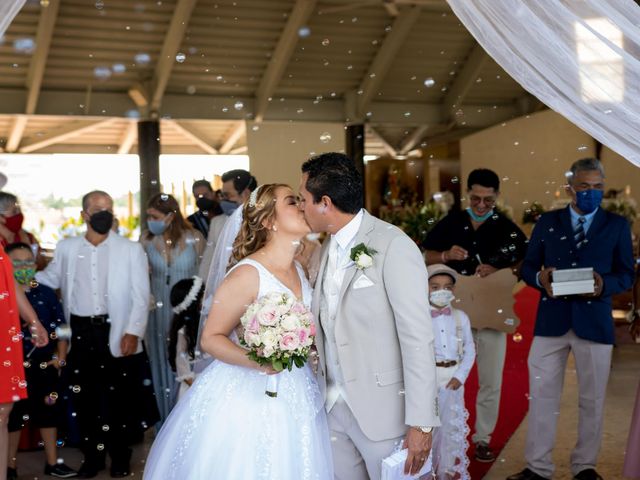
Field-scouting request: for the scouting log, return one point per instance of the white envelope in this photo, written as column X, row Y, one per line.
column 393, row 467
column 362, row 282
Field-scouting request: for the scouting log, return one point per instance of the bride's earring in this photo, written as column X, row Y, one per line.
column 274, row 228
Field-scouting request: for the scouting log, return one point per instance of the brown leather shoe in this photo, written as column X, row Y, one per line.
column 484, row 453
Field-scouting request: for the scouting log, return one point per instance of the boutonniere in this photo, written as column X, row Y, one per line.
column 362, row 256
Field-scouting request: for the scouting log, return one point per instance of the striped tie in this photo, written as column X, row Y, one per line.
column 579, row 234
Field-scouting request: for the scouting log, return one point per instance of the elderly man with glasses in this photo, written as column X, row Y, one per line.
column 479, row 241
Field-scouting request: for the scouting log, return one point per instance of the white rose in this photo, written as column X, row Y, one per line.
column 290, row 322
column 269, row 339
column 268, row 351
column 364, row 261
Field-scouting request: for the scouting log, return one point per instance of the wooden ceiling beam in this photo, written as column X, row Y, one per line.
column 172, row 41
column 465, row 79
column 271, row 77
column 232, row 137
column 393, row 42
column 65, row 132
column 129, row 137
column 44, row 35
column 15, row 135
column 193, row 137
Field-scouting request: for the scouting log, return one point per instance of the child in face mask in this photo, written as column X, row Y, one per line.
column 42, row 367
column 455, row 354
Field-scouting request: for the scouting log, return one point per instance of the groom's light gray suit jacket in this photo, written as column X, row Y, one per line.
column 383, row 335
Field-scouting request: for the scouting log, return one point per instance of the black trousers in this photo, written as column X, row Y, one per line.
column 113, row 400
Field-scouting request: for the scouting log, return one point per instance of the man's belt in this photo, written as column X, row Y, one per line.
column 93, row 319
column 446, row 364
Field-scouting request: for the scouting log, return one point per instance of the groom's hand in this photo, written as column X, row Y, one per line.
column 419, row 445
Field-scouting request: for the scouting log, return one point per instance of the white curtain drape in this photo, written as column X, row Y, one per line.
column 579, row 57
column 8, row 10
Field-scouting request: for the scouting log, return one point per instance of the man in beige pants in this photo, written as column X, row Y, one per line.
column 579, row 236
column 375, row 343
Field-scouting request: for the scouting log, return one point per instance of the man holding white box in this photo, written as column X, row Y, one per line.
column 577, row 237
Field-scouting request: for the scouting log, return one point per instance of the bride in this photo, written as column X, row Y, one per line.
column 226, row 427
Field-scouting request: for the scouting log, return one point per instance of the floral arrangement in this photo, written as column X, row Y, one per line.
column 621, row 206
column 532, row 214
column 416, row 220
column 278, row 331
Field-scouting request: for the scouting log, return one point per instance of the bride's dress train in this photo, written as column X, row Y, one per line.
column 226, row 428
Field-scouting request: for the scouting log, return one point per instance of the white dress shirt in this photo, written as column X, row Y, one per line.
column 337, row 262
column 91, row 279
column 446, row 342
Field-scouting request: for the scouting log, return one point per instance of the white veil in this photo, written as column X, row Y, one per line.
column 218, row 269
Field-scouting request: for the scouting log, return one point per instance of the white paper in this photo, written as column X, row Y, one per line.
column 393, row 467
column 572, row 274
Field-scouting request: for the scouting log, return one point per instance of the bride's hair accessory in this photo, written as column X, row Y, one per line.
column 253, row 198
column 191, row 296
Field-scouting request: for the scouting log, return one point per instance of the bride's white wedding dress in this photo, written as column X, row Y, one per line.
column 226, row 428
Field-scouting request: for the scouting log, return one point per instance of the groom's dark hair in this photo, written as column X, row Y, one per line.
column 334, row 175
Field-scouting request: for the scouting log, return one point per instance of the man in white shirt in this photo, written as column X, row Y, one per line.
column 104, row 283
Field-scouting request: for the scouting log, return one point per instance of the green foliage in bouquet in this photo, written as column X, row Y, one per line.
column 416, row 220
column 532, row 214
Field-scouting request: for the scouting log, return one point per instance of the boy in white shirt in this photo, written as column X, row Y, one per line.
column 455, row 354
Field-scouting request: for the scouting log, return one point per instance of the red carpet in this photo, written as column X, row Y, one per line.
column 515, row 382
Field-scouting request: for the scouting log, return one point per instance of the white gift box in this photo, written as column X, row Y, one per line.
column 393, row 467
column 572, row 275
column 573, row 288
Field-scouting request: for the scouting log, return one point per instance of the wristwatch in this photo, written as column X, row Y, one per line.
column 424, row 429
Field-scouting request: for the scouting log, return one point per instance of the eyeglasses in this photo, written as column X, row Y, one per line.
column 475, row 200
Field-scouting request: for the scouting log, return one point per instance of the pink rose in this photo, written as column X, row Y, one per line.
column 298, row 308
column 267, row 316
column 289, row 341
column 303, row 335
column 251, row 338
column 253, row 325
column 312, row 329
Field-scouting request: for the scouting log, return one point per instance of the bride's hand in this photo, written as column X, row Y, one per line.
column 266, row 369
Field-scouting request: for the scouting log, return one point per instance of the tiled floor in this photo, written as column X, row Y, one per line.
column 621, row 395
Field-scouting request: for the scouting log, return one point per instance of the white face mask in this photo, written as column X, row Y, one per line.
column 441, row 298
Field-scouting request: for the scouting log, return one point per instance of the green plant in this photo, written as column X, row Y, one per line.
column 532, row 214
column 622, row 207
column 416, row 220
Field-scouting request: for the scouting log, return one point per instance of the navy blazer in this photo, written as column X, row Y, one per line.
column 608, row 250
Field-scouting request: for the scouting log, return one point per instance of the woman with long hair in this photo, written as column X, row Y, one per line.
column 225, row 426
column 174, row 249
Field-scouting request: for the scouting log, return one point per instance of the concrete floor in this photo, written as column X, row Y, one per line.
column 620, row 400
column 623, row 384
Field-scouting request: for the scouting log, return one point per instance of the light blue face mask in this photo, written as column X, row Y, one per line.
column 228, row 207
column 479, row 218
column 156, row 227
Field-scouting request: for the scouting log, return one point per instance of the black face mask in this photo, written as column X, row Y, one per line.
column 206, row 204
column 101, row 221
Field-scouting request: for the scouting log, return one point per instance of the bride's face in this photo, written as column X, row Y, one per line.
column 289, row 219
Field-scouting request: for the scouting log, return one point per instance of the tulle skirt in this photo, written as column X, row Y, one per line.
column 225, row 427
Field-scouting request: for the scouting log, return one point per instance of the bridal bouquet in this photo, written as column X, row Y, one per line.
column 278, row 331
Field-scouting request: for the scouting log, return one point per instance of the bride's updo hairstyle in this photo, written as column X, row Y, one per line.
column 257, row 215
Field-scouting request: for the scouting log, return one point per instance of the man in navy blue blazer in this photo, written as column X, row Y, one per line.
column 581, row 235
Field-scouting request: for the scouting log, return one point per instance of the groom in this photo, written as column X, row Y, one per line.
column 375, row 345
